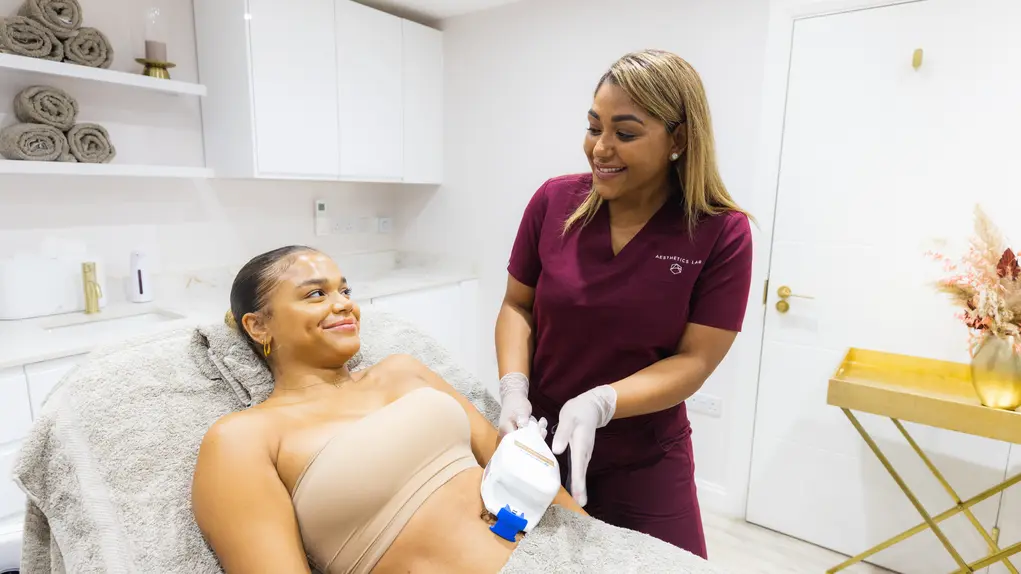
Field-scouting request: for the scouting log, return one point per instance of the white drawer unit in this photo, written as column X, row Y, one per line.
column 447, row 313
column 15, row 413
column 15, row 421
column 12, row 500
column 43, row 377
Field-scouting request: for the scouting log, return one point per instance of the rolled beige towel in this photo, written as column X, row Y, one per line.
column 26, row 37
column 62, row 17
column 91, row 144
column 89, row 48
column 34, row 142
column 46, row 105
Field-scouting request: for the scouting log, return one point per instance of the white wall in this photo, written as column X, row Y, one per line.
column 185, row 225
column 519, row 81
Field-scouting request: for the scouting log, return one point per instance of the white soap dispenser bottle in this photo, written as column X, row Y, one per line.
column 139, row 282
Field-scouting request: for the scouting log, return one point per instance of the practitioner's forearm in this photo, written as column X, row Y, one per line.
column 514, row 339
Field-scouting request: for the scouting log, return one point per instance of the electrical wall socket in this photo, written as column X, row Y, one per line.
column 344, row 225
column 706, row 404
column 385, row 225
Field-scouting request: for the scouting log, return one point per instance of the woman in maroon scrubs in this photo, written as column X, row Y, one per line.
column 627, row 288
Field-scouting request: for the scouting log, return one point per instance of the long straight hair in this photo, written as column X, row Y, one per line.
column 669, row 89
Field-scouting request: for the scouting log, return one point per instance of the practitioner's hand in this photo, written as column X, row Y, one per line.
column 515, row 410
column 579, row 419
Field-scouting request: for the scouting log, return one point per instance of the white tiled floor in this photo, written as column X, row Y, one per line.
column 744, row 548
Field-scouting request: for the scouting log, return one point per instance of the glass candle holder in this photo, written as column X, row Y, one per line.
column 156, row 30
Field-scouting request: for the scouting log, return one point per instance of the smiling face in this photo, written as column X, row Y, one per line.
column 309, row 316
column 628, row 149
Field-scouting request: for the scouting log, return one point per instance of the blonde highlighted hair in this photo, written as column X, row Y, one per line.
column 669, row 89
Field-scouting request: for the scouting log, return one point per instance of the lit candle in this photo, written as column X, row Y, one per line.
column 155, row 51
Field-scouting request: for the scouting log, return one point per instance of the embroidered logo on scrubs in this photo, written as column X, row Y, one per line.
column 677, row 259
column 676, row 269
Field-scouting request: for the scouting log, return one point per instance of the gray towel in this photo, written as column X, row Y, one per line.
column 89, row 47
column 46, row 105
column 26, row 37
column 91, row 144
column 568, row 543
column 108, row 464
column 62, row 17
column 34, row 142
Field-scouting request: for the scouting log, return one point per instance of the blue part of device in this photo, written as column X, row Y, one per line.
column 508, row 524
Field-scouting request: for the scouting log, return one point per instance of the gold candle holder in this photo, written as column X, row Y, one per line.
column 156, row 68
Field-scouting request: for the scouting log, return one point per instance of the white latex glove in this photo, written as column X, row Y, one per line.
column 543, row 423
column 515, row 410
column 579, row 419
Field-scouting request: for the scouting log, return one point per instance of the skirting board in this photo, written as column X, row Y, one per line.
column 712, row 497
column 10, row 548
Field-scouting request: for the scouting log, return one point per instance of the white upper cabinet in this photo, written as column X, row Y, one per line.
column 319, row 89
column 294, row 87
column 423, row 103
column 369, row 61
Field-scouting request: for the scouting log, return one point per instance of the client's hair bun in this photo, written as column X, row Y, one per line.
column 228, row 320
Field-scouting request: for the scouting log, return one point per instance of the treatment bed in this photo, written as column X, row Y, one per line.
column 107, row 467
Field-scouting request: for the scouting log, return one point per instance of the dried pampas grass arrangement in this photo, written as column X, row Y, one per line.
column 985, row 285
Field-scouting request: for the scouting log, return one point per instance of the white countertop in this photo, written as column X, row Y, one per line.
column 35, row 340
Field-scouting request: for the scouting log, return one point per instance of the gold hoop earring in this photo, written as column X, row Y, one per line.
column 266, row 348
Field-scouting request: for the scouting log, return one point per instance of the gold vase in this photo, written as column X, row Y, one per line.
column 996, row 373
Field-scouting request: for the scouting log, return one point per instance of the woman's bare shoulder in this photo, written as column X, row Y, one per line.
column 248, row 427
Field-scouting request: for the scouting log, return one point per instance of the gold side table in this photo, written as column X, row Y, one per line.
column 933, row 393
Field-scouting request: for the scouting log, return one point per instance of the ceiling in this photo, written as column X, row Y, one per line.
column 433, row 11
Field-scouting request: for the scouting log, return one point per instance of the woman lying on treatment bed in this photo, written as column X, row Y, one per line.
column 380, row 468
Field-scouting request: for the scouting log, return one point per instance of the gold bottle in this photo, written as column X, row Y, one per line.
column 92, row 291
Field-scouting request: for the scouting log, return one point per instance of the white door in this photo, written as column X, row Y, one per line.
column 423, row 103
column 879, row 161
column 369, row 64
column 294, row 84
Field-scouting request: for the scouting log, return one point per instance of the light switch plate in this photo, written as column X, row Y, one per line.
column 706, row 404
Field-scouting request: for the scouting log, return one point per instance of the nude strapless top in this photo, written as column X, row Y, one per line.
column 359, row 491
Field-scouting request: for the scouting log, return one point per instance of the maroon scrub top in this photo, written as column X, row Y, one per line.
column 599, row 318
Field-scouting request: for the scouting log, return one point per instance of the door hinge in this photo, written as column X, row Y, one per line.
column 765, row 291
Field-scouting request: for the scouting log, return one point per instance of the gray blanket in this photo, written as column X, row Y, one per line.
column 89, row 47
column 107, row 466
column 91, row 144
column 62, row 17
column 26, row 37
column 46, row 105
column 34, row 142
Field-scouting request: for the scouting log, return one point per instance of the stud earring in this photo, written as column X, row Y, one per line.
column 266, row 348
column 675, row 156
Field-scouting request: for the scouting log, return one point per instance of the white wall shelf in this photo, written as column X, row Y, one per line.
column 49, row 68
column 107, row 169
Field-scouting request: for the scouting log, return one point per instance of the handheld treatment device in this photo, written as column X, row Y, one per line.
column 520, row 481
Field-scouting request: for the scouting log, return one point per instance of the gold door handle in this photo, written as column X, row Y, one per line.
column 785, row 293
